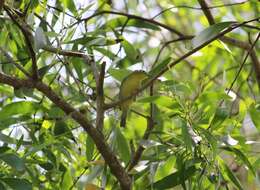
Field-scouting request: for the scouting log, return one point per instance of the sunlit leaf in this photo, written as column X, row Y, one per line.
column 67, row 180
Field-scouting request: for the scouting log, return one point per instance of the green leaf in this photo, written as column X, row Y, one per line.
column 255, row 113
column 123, row 21
column 232, row 177
column 130, row 50
column 4, row 149
column 17, row 184
column 79, row 66
column 43, row 70
column 9, row 140
column 83, row 40
column 220, row 116
column 161, row 66
column 34, row 149
column 164, row 101
column 118, row 74
column 89, row 148
column 14, row 161
column 210, row 33
column 61, row 129
column 47, row 166
column 71, row 6
column 106, row 52
column 186, row 135
column 122, row 145
column 165, row 168
column 19, row 108
column 175, row 178
column 179, row 88
column 241, row 155
column 23, row 92
column 55, row 112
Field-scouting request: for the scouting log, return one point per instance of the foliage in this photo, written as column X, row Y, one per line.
column 195, row 125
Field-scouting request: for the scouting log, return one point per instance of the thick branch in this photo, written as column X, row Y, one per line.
column 102, row 146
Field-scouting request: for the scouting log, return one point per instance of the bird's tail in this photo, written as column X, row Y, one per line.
column 123, row 118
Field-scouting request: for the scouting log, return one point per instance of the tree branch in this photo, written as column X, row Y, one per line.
column 100, row 98
column 102, row 146
column 63, row 52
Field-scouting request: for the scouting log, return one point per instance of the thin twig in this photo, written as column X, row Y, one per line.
column 198, row 8
column 131, row 16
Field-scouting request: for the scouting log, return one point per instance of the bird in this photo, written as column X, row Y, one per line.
column 129, row 86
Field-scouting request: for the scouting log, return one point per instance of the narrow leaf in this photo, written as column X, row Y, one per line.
column 175, row 178
column 18, row 108
column 241, row 155
column 160, row 67
column 89, row 148
column 123, row 21
column 232, row 177
column 254, row 113
column 209, row 33
column 122, row 146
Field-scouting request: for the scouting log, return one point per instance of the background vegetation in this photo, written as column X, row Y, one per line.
column 195, row 123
